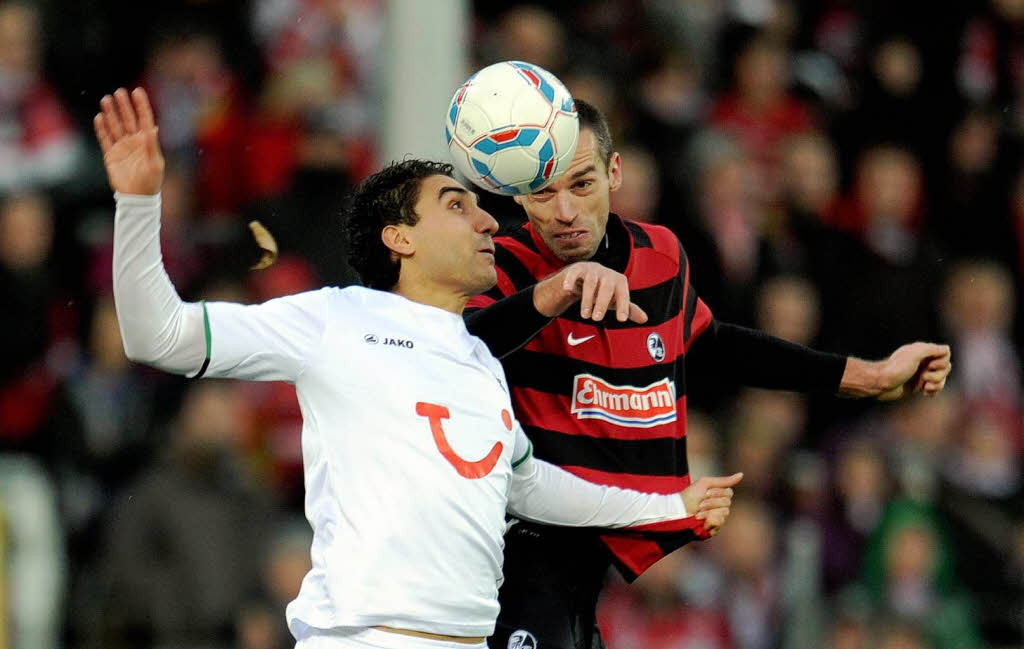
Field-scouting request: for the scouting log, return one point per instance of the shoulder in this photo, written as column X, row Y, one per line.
column 656, row 241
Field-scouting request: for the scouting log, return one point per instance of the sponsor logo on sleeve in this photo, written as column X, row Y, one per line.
column 625, row 405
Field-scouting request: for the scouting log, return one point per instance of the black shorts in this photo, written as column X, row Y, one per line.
column 553, row 576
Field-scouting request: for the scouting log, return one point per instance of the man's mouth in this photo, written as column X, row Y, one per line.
column 569, row 236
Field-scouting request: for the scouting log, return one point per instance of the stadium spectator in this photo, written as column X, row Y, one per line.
column 201, row 106
column 38, row 144
column 759, row 111
column 909, row 574
column 174, row 565
column 28, row 292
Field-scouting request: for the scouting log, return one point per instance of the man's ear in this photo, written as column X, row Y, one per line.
column 396, row 240
column 518, row 199
column 615, row 172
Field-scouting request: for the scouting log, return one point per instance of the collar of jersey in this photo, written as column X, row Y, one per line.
column 431, row 320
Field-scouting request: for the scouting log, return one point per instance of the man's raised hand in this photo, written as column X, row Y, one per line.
column 598, row 289
column 127, row 134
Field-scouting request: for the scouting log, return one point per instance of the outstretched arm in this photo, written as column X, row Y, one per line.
column 545, row 493
column 157, row 328
column 754, row 358
column 270, row 341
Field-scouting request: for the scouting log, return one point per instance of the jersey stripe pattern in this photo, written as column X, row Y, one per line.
column 607, row 401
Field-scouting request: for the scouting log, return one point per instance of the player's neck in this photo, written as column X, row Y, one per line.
column 432, row 294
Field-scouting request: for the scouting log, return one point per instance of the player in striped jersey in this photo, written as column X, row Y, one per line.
column 606, row 398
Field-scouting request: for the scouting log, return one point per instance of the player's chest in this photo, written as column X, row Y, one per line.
column 427, row 397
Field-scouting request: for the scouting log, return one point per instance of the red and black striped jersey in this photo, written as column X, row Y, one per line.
column 607, row 401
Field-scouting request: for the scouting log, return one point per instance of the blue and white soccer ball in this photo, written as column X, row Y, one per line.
column 512, row 128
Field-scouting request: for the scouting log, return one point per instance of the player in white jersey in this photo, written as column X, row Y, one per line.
column 410, row 450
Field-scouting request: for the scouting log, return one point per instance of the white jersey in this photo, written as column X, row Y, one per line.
column 408, row 445
column 410, row 449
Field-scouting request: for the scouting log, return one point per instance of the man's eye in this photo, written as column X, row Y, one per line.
column 583, row 184
column 457, row 205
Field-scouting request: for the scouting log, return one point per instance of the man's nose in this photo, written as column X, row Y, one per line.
column 487, row 223
column 565, row 208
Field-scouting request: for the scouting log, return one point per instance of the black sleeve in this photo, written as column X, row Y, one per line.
column 728, row 353
column 508, row 324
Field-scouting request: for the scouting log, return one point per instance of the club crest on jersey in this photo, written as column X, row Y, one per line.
column 625, row 405
column 656, row 347
column 522, row 640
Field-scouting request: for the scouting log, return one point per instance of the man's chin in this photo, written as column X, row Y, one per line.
column 572, row 255
column 485, row 282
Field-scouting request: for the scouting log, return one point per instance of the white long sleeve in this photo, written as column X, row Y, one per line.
column 157, row 328
column 544, row 493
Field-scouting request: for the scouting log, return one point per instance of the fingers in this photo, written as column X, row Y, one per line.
column 126, row 111
column 636, row 314
column 933, row 378
column 111, row 118
column 588, row 294
column 601, row 290
column 726, row 481
column 934, row 387
column 714, row 503
column 142, row 107
column 718, row 492
column 714, row 519
column 102, row 133
column 622, row 303
column 606, row 293
column 572, row 279
column 933, row 350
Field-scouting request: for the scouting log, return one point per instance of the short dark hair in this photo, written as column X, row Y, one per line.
column 388, row 197
column 591, row 117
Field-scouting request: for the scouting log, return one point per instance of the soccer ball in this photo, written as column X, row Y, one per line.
column 512, row 128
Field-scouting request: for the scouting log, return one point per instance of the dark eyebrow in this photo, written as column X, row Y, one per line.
column 576, row 176
column 583, row 172
column 458, row 190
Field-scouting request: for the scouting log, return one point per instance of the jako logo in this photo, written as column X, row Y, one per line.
column 372, row 339
column 522, row 640
column 594, row 398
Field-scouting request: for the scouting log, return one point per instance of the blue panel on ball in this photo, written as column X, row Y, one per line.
column 489, row 146
column 481, row 168
column 546, row 153
column 486, row 145
column 453, row 112
column 527, row 136
column 447, row 135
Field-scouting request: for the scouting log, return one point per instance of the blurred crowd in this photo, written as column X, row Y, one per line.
column 846, row 174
